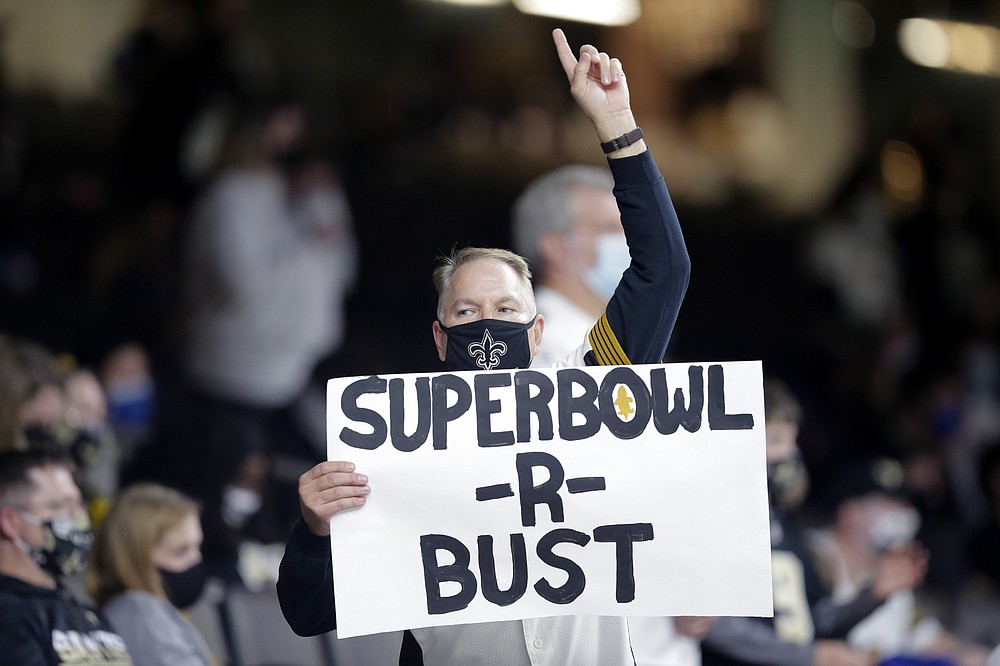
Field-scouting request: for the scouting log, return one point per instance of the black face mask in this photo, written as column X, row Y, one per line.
column 67, row 543
column 787, row 482
column 183, row 588
column 488, row 344
column 81, row 443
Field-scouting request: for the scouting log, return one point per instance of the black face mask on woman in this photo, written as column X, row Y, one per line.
column 183, row 588
column 488, row 344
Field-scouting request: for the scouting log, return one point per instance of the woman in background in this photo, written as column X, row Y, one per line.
column 145, row 568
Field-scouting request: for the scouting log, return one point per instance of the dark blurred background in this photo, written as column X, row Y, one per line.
column 834, row 164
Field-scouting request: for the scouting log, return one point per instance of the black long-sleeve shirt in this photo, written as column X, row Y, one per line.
column 49, row 627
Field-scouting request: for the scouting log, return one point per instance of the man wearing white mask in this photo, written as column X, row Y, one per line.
column 809, row 625
column 872, row 516
column 567, row 225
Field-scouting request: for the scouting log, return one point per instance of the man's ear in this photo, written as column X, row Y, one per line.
column 551, row 248
column 440, row 339
column 535, row 335
column 8, row 524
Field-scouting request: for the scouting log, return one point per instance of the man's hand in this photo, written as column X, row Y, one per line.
column 900, row 569
column 597, row 82
column 327, row 489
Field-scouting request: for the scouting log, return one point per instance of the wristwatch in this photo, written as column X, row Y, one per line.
column 626, row 139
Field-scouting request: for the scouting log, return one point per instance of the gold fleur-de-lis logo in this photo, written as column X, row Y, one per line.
column 624, row 403
column 488, row 351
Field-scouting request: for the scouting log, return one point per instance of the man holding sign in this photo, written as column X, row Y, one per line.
column 487, row 320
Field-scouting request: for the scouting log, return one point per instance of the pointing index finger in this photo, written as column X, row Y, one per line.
column 565, row 53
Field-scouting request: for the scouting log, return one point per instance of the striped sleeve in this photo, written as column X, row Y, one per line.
column 605, row 346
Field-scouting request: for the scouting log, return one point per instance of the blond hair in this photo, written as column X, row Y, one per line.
column 122, row 557
column 448, row 265
column 26, row 367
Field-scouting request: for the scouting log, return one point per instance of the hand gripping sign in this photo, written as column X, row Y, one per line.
column 621, row 490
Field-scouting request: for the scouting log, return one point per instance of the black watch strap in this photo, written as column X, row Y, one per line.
column 626, row 139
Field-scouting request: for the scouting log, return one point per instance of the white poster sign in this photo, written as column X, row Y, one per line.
column 623, row 490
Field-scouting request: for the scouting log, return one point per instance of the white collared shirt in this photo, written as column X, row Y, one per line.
column 579, row 640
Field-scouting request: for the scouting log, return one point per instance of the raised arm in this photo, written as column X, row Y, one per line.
column 640, row 317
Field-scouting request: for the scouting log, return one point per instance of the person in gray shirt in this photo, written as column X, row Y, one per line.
column 145, row 568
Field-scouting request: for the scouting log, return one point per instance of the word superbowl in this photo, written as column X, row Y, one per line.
column 623, row 402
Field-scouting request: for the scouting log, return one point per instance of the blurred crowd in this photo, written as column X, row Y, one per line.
column 170, row 309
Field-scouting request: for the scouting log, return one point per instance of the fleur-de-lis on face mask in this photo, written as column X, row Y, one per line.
column 488, row 344
column 487, row 352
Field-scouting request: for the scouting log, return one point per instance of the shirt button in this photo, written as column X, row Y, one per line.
column 538, row 643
